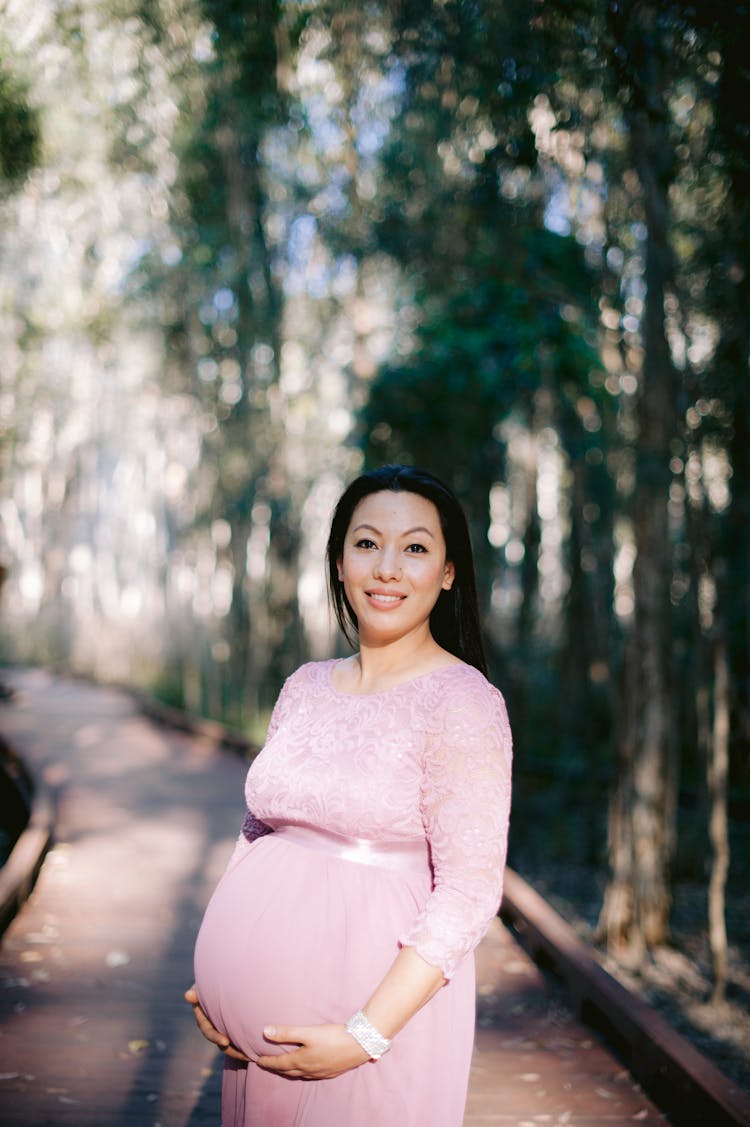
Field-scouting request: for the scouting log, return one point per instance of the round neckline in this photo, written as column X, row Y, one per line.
column 391, row 688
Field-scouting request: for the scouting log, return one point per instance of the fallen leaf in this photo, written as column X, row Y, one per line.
column 117, row 959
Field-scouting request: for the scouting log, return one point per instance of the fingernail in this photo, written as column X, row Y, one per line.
column 269, row 1030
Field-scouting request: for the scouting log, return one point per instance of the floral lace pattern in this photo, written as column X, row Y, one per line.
column 427, row 758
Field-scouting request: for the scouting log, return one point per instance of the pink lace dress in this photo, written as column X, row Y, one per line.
column 300, row 935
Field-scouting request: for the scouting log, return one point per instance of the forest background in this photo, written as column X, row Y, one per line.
column 248, row 248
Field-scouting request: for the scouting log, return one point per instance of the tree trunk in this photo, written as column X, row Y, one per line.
column 642, row 834
column 264, row 619
column 585, row 696
column 731, row 365
column 616, row 917
column 718, row 827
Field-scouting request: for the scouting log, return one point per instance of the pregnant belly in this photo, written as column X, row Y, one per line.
column 294, row 937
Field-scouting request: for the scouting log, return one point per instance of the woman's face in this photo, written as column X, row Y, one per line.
column 394, row 565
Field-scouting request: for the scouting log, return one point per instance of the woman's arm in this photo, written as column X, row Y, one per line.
column 465, row 810
column 324, row 1051
column 408, row 985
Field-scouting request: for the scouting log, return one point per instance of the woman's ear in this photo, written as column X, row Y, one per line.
column 340, row 570
column 450, row 575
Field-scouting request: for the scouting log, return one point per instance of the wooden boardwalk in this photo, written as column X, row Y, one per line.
column 93, row 1030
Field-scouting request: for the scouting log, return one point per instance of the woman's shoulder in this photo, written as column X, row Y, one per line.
column 467, row 706
column 310, row 673
column 458, row 688
column 468, row 678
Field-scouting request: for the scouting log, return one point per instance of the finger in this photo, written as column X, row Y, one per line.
column 285, row 1034
column 209, row 1031
column 219, row 1039
column 235, row 1054
column 191, row 995
column 283, row 1063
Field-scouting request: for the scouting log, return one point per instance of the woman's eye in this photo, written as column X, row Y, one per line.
column 365, row 543
column 416, row 548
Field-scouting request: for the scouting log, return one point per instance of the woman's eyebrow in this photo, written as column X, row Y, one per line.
column 409, row 532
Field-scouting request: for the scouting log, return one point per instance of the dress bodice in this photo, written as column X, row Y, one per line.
column 430, row 757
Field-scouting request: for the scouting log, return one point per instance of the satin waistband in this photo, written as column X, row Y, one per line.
column 403, row 856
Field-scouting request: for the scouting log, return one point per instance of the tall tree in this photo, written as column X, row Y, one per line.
column 725, row 383
column 19, row 128
column 642, row 833
column 506, row 320
column 231, row 333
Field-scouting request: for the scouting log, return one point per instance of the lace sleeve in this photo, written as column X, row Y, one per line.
column 252, row 827
column 465, row 809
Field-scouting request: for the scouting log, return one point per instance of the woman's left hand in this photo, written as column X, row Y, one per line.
column 320, row 1051
column 209, row 1031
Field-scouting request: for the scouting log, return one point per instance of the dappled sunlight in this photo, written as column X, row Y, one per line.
column 246, row 251
column 112, row 568
column 142, row 836
column 161, row 864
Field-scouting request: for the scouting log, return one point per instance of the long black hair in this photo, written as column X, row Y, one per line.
column 454, row 621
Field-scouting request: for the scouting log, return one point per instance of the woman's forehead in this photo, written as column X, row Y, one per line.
column 409, row 510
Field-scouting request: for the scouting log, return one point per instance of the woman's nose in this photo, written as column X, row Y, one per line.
column 388, row 565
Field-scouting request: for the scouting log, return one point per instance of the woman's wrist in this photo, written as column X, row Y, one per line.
column 367, row 1036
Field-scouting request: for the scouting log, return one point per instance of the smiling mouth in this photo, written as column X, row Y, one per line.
column 385, row 600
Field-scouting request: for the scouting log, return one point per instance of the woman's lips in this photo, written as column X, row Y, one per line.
column 385, row 598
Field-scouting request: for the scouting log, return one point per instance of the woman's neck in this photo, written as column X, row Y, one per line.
column 380, row 667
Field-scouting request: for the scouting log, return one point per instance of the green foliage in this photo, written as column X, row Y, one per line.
column 20, row 136
column 484, row 352
column 474, row 364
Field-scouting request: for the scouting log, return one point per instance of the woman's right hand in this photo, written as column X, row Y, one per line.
column 209, row 1031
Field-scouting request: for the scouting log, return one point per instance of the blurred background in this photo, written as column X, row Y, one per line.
column 248, row 248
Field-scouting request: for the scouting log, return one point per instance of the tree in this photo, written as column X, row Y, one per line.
column 229, row 328
column 504, row 319
column 20, row 140
column 642, row 829
column 724, row 382
column 20, row 136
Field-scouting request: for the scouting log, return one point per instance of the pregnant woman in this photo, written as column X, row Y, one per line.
column 334, row 963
